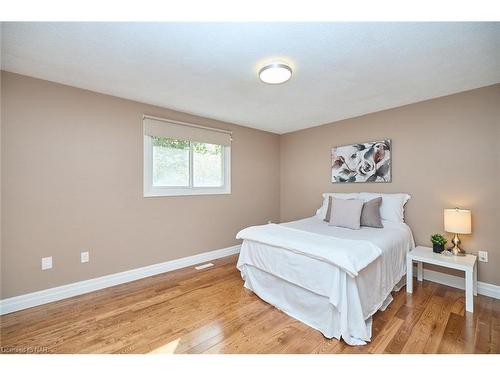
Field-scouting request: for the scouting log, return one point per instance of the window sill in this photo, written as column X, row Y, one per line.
column 185, row 192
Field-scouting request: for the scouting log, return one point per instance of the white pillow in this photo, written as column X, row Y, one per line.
column 392, row 207
column 321, row 212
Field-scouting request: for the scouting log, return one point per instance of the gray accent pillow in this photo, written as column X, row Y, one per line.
column 328, row 210
column 370, row 214
column 346, row 213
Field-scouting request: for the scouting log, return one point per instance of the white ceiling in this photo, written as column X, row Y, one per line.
column 341, row 70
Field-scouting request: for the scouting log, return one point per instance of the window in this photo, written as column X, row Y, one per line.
column 183, row 159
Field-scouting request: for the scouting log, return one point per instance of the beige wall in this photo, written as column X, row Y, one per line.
column 72, row 180
column 446, row 153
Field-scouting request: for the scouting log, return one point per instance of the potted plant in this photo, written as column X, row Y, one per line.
column 438, row 242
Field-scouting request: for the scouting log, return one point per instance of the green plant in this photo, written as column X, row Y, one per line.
column 438, row 239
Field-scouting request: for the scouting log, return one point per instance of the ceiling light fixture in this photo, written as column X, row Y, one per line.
column 275, row 73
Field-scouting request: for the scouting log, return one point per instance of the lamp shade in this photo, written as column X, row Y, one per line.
column 457, row 221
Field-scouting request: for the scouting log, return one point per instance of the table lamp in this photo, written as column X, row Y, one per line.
column 458, row 222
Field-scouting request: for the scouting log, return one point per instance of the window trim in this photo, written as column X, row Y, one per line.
column 164, row 191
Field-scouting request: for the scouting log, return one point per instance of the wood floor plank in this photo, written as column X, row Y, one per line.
column 253, row 337
column 383, row 339
column 329, row 346
column 410, row 313
column 304, row 342
column 428, row 331
column 451, row 333
column 483, row 327
column 439, row 324
column 495, row 327
column 209, row 311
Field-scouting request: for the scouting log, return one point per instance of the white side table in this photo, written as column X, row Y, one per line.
column 467, row 263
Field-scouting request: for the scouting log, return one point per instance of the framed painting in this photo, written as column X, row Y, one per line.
column 362, row 162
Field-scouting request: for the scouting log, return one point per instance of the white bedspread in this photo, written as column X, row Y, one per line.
column 349, row 301
column 350, row 255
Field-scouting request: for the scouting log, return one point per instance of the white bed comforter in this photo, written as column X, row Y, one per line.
column 354, row 286
column 349, row 255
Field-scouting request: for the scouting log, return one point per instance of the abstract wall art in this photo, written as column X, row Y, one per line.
column 362, row 162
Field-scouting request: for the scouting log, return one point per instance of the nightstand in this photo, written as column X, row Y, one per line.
column 467, row 263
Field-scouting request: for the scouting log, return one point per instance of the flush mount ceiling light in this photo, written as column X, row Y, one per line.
column 275, row 73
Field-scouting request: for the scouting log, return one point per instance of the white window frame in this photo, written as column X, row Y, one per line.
column 167, row 191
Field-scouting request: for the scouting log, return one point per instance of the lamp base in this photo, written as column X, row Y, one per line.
column 455, row 249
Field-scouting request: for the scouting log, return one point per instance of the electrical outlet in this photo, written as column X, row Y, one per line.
column 483, row 256
column 84, row 257
column 46, row 263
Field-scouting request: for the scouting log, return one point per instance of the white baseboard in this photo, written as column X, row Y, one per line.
column 458, row 282
column 41, row 297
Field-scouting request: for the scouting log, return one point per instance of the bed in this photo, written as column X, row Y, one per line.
column 332, row 279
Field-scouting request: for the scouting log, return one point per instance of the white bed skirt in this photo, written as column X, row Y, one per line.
column 310, row 308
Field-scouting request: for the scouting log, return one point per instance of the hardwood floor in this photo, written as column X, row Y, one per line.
column 209, row 311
